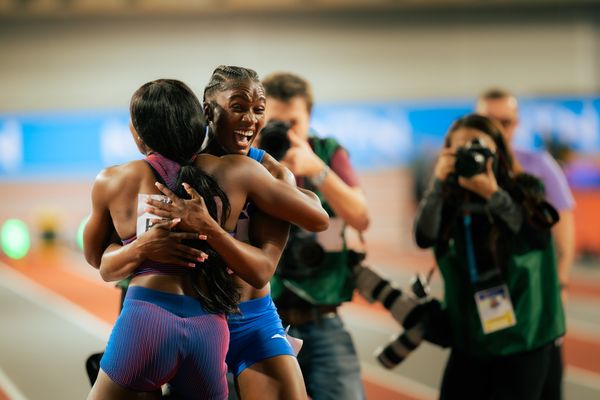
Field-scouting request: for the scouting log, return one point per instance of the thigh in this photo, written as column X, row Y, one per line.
column 552, row 389
column 274, row 378
column 465, row 377
column 261, row 338
column 522, row 376
column 106, row 388
column 329, row 361
column 201, row 371
column 142, row 352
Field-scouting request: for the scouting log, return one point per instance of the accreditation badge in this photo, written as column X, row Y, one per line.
column 495, row 309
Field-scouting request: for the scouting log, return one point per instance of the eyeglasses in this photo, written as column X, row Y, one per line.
column 506, row 122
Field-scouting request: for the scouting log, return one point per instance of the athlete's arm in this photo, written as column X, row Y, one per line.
column 252, row 264
column 277, row 198
column 158, row 244
column 99, row 228
column 282, row 173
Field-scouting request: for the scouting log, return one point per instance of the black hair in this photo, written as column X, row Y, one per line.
column 504, row 158
column 495, row 93
column 284, row 86
column 168, row 117
column 225, row 76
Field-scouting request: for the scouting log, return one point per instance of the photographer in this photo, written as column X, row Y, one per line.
column 489, row 226
column 314, row 278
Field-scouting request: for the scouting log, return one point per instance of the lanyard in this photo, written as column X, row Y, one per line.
column 470, row 248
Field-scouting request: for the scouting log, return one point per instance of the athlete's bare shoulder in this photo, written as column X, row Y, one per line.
column 115, row 178
column 226, row 166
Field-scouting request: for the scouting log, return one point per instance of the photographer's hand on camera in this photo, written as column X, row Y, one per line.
column 484, row 184
column 300, row 158
column 445, row 164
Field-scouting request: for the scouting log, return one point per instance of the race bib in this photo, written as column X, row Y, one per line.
column 144, row 219
column 495, row 309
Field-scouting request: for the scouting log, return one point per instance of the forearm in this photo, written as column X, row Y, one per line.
column 564, row 238
column 428, row 218
column 347, row 202
column 502, row 206
column 119, row 261
column 247, row 261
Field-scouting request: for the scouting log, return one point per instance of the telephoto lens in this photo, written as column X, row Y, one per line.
column 406, row 307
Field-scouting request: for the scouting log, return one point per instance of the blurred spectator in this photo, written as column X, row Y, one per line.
column 313, row 277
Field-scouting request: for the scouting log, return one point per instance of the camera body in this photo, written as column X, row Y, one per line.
column 274, row 138
column 471, row 159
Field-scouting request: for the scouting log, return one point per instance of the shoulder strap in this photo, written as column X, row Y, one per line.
column 256, row 154
column 157, row 175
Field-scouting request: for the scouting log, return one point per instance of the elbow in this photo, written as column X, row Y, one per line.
column 318, row 223
column 257, row 276
column 360, row 222
column 105, row 275
column 260, row 279
column 321, row 223
column 92, row 259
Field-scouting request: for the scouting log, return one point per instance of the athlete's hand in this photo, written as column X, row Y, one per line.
column 163, row 245
column 193, row 213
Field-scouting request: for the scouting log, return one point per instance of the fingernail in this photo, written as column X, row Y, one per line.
column 191, row 265
column 202, row 237
column 177, row 220
column 200, row 259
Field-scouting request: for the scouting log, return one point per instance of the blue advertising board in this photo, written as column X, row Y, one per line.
column 377, row 135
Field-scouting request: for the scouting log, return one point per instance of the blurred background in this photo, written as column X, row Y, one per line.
column 389, row 77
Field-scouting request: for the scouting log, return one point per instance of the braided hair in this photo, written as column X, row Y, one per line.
column 225, row 77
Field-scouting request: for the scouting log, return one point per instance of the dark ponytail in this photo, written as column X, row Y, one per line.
column 168, row 117
column 213, row 284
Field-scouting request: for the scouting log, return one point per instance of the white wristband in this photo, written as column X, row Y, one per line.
column 318, row 179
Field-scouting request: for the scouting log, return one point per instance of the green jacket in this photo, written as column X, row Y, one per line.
column 332, row 283
column 532, row 280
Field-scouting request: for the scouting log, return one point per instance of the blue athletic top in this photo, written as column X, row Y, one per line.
column 256, row 154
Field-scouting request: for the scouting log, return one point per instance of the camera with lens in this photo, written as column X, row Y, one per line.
column 274, row 138
column 420, row 315
column 302, row 255
column 472, row 158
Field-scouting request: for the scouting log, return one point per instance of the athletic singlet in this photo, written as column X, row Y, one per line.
column 164, row 170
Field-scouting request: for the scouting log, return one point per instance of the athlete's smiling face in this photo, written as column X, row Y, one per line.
column 238, row 115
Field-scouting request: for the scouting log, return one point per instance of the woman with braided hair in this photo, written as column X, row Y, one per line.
column 172, row 327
